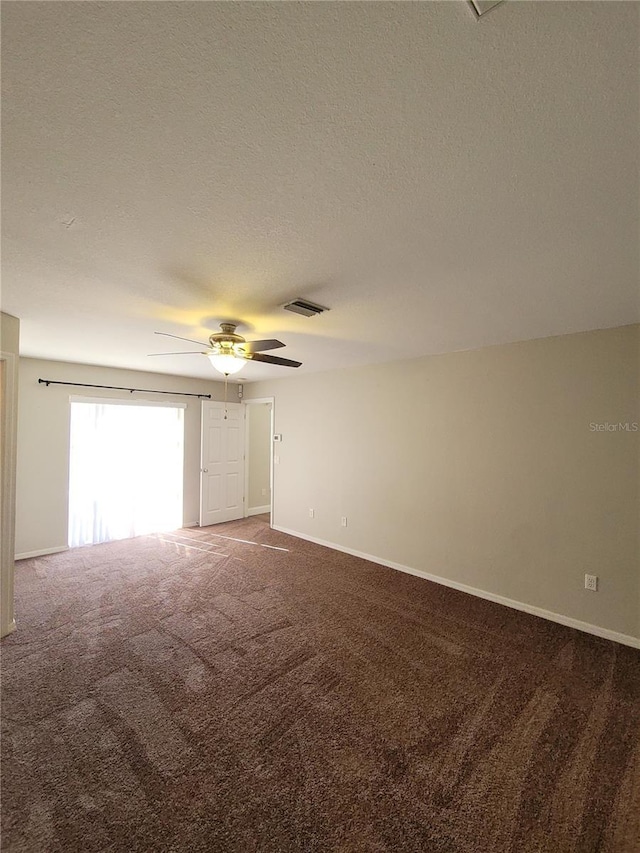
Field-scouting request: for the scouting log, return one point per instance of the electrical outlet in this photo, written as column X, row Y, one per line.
column 591, row 582
column 311, row 513
column 343, row 521
column 264, row 492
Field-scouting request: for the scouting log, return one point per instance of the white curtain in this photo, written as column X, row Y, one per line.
column 126, row 471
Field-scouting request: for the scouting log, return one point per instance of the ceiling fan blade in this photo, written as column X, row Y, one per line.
column 261, row 346
column 273, row 359
column 167, row 335
column 191, row 352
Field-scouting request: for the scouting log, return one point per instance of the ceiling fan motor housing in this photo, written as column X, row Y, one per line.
column 226, row 341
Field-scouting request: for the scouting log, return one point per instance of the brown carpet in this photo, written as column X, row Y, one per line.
column 185, row 692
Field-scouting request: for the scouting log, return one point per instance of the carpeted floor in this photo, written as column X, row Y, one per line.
column 188, row 692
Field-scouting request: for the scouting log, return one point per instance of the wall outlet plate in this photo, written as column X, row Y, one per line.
column 591, row 582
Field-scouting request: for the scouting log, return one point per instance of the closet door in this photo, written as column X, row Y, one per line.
column 222, row 462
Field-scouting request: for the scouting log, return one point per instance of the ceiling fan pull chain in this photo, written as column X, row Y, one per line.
column 226, row 377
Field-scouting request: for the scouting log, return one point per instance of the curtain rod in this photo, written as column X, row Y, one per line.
column 48, row 382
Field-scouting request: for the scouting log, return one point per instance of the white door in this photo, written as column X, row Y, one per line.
column 222, row 463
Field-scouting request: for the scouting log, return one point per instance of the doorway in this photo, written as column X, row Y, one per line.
column 125, row 469
column 259, row 456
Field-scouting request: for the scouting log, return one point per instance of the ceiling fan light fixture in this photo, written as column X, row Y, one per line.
column 229, row 352
column 226, row 363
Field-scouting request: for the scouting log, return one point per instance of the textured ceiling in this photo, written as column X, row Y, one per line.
column 440, row 182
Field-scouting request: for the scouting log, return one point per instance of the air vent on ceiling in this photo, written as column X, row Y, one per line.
column 301, row 306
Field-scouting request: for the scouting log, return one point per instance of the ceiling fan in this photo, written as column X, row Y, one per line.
column 228, row 352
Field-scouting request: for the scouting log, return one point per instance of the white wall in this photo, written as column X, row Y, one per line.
column 43, row 441
column 9, row 347
column 259, row 456
column 478, row 467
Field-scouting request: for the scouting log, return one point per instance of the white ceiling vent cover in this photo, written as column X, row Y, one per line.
column 301, row 306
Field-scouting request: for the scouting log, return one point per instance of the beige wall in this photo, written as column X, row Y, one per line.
column 481, row 468
column 43, row 441
column 9, row 347
column 259, row 456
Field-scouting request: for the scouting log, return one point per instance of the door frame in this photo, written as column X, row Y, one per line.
column 258, row 401
column 8, row 416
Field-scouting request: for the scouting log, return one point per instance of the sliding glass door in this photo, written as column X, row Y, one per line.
column 126, row 470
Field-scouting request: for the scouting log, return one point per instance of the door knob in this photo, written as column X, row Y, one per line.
column 205, row 470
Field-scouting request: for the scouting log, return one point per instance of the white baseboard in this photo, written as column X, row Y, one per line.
column 258, row 510
column 568, row 621
column 191, row 524
column 41, row 553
